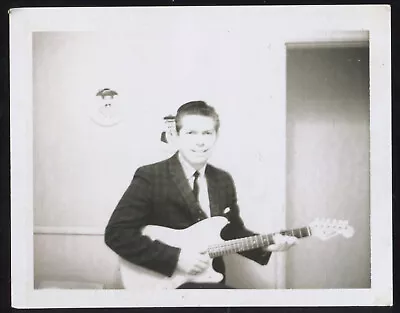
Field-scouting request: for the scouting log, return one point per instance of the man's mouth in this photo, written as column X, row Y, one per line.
column 199, row 151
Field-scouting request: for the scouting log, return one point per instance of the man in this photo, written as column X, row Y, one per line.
column 177, row 193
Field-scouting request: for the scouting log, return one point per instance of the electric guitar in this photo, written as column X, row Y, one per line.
column 206, row 236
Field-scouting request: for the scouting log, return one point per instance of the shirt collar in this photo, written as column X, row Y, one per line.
column 188, row 169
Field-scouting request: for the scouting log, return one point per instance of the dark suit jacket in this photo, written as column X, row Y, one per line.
column 159, row 194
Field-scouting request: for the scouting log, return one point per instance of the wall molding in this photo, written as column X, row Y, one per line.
column 68, row 230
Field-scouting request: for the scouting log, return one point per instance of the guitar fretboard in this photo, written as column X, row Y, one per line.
column 253, row 242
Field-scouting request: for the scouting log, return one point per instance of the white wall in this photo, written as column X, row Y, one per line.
column 82, row 169
column 328, row 163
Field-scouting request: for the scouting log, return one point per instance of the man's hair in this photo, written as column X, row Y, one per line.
column 196, row 108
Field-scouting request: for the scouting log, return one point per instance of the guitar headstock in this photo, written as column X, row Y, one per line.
column 327, row 228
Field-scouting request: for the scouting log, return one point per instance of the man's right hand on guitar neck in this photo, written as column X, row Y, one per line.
column 193, row 262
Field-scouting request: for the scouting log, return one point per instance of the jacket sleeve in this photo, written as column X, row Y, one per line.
column 123, row 232
column 236, row 228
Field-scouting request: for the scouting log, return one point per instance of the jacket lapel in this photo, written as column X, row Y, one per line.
column 213, row 190
column 179, row 179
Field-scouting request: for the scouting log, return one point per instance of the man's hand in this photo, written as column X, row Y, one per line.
column 193, row 262
column 282, row 243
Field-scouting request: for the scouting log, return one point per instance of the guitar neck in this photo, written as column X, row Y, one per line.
column 253, row 242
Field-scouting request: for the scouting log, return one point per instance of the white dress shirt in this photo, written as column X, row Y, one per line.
column 202, row 182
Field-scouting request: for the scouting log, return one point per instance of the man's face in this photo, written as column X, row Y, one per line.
column 196, row 138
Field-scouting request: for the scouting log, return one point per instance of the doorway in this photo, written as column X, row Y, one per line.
column 328, row 162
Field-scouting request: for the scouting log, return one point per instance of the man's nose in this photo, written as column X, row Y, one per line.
column 200, row 140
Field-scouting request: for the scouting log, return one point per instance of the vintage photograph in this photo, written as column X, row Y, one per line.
column 199, row 148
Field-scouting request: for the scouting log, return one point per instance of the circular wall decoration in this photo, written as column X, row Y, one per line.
column 105, row 110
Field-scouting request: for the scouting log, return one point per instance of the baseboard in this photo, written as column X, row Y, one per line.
column 68, row 230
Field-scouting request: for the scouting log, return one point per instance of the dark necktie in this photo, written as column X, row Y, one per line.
column 196, row 185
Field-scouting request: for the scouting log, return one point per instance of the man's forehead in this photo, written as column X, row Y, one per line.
column 197, row 121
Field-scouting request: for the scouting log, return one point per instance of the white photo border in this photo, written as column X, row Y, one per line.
column 374, row 19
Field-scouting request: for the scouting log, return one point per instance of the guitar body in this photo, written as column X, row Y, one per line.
column 198, row 237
